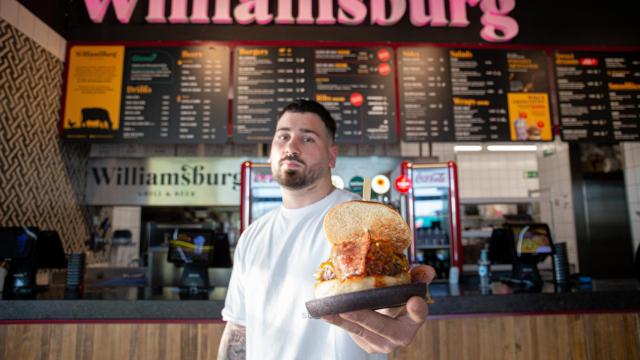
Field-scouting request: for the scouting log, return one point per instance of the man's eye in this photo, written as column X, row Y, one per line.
column 283, row 137
column 308, row 139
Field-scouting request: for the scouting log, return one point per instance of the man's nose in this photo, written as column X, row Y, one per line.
column 293, row 146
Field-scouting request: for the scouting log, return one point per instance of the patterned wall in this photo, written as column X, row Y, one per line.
column 41, row 178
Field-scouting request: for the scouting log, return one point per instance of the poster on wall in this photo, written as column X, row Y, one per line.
column 94, row 88
column 155, row 95
column 355, row 84
column 473, row 95
column 598, row 95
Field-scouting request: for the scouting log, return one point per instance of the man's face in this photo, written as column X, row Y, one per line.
column 301, row 151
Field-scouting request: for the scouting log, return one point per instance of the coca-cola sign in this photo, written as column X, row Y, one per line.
column 431, row 177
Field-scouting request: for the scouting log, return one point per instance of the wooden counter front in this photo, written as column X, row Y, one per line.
column 575, row 336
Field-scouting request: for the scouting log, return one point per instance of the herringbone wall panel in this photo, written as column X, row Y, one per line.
column 41, row 177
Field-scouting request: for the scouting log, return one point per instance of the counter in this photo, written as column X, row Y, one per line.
column 602, row 321
column 139, row 303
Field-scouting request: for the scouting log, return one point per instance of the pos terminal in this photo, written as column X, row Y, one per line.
column 530, row 243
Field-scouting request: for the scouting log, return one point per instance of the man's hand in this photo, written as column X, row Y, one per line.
column 385, row 330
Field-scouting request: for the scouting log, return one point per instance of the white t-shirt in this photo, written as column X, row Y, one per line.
column 272, row 278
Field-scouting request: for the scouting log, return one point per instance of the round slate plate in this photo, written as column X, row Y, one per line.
column 379, row 298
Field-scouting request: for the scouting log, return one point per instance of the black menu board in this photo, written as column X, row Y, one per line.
column 473, row 95
column 355, row 84
column 156, row 95
column 175, row 95
column 598, row 95
column 267, row 79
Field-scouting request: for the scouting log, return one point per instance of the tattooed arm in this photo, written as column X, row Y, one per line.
column 233, row 342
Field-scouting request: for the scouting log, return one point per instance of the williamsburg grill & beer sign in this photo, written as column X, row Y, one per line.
column 164, row 181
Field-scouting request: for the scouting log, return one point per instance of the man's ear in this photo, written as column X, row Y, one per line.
column 333, row 155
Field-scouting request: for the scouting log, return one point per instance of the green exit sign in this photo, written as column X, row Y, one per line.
column 530, row 174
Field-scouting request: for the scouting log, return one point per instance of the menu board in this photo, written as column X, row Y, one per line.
column 355, row 84
column 473, row 95
column 169, row 95
column 598, row 95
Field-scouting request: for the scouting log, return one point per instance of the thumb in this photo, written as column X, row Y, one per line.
column 422, row 274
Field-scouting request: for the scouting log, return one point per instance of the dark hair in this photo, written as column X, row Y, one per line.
column 310, row 106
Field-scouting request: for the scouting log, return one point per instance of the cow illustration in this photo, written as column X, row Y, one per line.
column 96, row 114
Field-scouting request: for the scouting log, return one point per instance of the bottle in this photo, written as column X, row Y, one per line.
column 484, row 269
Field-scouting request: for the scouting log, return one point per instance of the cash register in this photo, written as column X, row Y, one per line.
column 525, row 244
column 25, row 250
column 196, row 250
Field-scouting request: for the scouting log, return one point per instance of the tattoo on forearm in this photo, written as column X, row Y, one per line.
column 233, row 343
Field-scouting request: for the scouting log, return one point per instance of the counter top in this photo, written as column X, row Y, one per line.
column 144, row 304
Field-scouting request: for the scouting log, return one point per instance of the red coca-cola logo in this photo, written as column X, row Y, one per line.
column 356, row 99
column 384, row 55
column 384, row 69
column 403, row 184
column 588, row 61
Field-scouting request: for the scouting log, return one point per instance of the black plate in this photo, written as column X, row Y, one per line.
column 379, row 298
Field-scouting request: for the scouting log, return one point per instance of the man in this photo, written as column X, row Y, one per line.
column 277, row 256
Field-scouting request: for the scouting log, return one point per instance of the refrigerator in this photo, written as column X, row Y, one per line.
column 259, row 192
column 432, row 210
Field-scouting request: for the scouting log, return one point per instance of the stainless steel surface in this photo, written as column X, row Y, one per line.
column 165, row 274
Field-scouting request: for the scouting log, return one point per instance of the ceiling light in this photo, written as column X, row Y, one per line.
column 512, row 147
column 460, row 148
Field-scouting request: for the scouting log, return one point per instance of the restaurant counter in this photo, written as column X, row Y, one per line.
column 140, row 303
column 599, row 320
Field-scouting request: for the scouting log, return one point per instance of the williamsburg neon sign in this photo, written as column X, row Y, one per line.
column 497, row 26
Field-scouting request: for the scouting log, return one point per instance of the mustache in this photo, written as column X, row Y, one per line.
column 292, row 157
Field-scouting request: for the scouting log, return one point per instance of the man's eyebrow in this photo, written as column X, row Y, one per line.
column 303, row 130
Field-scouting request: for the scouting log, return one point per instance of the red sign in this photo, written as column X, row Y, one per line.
column 403, row 184
column 356, row 99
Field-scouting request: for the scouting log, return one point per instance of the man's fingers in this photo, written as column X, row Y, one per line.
column 417, row 310
column 422, row 273
column 368, row 340
column 392, row 330
column 393, row 312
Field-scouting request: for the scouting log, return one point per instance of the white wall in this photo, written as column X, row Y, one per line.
column 631, row 157
column 496, row 174
column 556, row 206
column 21, row 18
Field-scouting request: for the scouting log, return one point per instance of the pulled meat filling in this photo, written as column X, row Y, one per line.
column 380, row 259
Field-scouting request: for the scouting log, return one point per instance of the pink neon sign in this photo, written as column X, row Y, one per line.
column 497, row 26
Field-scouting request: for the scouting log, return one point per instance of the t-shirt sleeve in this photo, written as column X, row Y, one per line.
column 234, row 304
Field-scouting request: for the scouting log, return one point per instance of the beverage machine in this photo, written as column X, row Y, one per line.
column 259, row 192
column 432, row 210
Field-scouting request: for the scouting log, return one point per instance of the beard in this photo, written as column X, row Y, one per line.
column 296, row 179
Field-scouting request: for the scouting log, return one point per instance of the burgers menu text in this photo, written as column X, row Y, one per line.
column 355, row 84
column 598, row 95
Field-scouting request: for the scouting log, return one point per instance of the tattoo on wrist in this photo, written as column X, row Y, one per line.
column 233, row 343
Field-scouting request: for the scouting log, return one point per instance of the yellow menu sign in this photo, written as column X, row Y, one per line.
column 94, row 88
column 529, row 116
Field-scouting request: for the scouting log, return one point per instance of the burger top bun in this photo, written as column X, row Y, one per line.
column 350, row 220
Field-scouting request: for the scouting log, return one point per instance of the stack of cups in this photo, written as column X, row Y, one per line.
column 75, row 275
column 560, row 264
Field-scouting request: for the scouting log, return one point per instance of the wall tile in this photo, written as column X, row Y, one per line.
column 46, row 177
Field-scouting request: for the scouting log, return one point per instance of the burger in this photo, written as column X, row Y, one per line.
column 368, row 242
